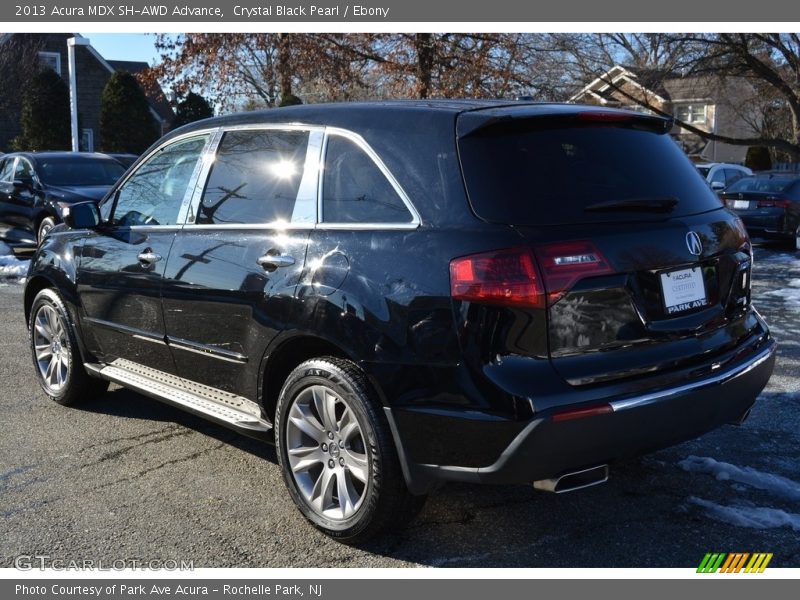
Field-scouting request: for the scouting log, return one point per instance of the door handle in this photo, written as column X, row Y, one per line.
column 271, row 262
column 148, row 257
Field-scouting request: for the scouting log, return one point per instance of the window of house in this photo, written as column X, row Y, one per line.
column 87, row 140
column 355, row 190
column 691, row 113
column 154, row 193
column 255, row 179
column 51, row 60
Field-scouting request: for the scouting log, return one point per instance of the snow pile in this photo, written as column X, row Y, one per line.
column 789, row 295
column 780, row 486
column 11, row 267
column 754, row 517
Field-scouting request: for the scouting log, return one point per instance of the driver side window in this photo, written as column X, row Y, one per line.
column 154, row 193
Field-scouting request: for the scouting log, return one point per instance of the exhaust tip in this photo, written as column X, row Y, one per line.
column 577, row 480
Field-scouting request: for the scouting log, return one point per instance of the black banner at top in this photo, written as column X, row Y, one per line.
column 398, row 11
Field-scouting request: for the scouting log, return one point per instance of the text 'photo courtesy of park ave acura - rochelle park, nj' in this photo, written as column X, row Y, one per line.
column 400, row 299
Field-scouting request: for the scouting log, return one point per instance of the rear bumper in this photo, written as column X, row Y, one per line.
column 636, row 425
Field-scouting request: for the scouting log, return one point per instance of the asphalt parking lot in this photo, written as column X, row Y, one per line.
column 125, row 477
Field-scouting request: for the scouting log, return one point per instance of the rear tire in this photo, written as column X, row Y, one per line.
column 337, row 453
column 56, row 358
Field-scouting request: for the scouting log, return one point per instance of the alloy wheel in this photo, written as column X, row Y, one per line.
column 52, row 348
column 326, row 452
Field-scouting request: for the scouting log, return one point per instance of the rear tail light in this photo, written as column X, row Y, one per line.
column 503, row 277
column 564, row 264
column 511, row 278
column 773, row 203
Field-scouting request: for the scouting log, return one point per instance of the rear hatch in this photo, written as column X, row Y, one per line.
column 640, row 266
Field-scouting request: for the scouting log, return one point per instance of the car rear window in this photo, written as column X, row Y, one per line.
column 762, row 184
column 535, row 176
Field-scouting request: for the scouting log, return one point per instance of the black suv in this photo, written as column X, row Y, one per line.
column 403, row 294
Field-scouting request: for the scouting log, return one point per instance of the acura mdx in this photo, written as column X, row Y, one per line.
column 402, row 294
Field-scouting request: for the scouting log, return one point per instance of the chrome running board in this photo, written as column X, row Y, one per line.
column 219, row 406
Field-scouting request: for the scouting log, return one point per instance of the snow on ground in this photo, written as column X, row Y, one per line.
column 754, row 517
column 11, row 268
column 790, row 295
column 780, row 486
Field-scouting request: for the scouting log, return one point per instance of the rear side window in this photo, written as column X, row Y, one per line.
column 255, row 178
column 718, row 176
column 733, row 175
column 761, row 184
column 355, row 189
column 535, row 176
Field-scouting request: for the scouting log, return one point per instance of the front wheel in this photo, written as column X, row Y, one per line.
column 55, row 353
column 44, row 228
column 337, row 453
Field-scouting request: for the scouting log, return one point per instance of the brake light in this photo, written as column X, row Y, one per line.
column 502, row 277
column 565, row 263
column 773, row 203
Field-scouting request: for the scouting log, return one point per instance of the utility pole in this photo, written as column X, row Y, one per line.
column 73, row 91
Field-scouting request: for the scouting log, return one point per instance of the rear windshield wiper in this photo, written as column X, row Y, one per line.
column 664, row 205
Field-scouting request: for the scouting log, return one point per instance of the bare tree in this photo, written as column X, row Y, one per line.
column 769, row 63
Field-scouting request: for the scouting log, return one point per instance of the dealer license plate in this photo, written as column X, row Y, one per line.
column 683, row 290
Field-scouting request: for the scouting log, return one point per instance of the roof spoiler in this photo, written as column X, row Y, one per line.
column 508, row 120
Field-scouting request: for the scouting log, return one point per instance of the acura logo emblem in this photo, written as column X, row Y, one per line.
column 693, row 243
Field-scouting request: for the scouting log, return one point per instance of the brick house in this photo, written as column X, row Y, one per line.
column 92, row 73
column 713, row 104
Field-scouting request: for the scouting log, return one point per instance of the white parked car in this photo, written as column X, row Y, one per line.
column 721, row 175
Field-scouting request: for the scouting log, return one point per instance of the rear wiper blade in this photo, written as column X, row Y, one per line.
column 664, row 205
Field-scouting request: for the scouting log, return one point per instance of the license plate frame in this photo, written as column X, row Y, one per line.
column 683, row 290
column 741, row 204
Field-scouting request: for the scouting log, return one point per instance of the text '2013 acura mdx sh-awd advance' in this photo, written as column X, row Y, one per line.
column 408, row 293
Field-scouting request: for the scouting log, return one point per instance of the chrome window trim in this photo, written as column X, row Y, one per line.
column 367, row 149
column 149, row 227
column 279, row 225
column 307, row 201
column 189, row 211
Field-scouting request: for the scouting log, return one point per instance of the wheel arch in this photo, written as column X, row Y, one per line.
column 282, row 358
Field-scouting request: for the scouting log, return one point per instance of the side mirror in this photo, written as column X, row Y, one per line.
column 83, row 215
column 717, row 186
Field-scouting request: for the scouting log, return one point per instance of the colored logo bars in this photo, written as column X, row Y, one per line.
column 734, row 562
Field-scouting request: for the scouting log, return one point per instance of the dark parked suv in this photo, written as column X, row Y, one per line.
column 404, row 294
